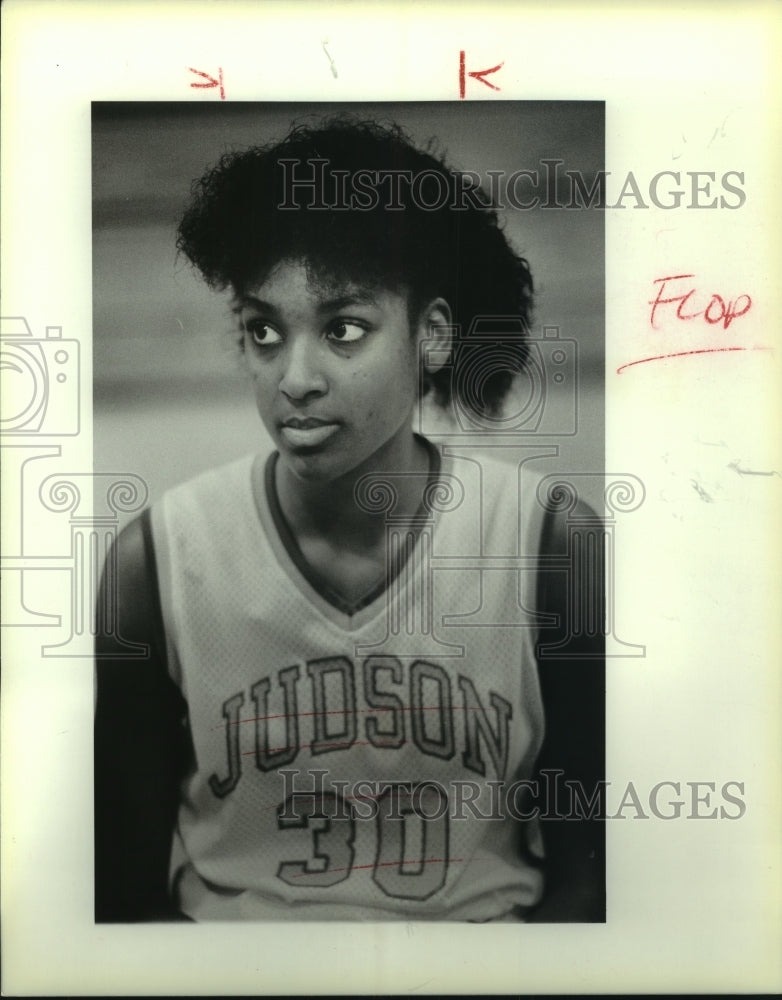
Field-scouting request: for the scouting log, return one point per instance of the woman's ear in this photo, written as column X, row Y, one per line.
column 436, row 333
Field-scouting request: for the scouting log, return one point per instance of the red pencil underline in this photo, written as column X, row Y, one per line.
column 393, row 864
column 682, row 354
column 322, row 745
column 348, row 711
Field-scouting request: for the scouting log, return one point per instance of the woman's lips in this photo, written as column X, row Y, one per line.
column 307, row 432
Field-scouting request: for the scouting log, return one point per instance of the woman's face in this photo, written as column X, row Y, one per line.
column 335, row 370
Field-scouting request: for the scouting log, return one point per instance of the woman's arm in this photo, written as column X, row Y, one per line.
column 141, row 742
column 573, row 692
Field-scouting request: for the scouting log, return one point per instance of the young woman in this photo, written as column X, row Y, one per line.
column 343, row 715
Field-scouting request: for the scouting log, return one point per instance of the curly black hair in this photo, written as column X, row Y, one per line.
column 358, row 217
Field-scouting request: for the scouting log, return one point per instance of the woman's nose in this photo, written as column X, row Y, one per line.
column 303, row 374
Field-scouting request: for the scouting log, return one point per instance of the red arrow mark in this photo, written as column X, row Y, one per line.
column 211, row 81
column 476, row 75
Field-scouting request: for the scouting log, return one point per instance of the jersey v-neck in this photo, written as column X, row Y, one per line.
column 298, row 561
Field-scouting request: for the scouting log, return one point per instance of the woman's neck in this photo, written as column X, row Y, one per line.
column 330, row 511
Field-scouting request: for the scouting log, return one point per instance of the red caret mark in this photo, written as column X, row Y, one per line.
column 679, row 290
column 211, row 80
column 478, row 74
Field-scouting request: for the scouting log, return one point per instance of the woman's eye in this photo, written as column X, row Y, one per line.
column 261, row 333
column 346, row 332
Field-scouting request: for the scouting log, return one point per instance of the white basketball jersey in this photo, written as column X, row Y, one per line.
column 351, row 763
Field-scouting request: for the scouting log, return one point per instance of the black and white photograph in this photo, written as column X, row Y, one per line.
column 370, row 593
column 391, row 467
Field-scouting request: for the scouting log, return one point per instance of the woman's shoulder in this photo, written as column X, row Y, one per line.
column 218, row 479
column 216, row 495
column 512, row 486
column 502, row 475
column 128, row 582
column 207, row 496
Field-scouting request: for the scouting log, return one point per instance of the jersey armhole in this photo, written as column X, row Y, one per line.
column 129, row 608
column 158, row 566
column 547, row 540
column 141, row 749
column 554, row 541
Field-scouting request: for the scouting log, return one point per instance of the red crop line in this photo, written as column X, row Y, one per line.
column 682, row 354
column 377, row 795
column 391, row 864
column 349, row 711
column 341, row 743
column 350, row 798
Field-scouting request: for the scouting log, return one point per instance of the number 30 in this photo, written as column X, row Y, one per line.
column 332, row 822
